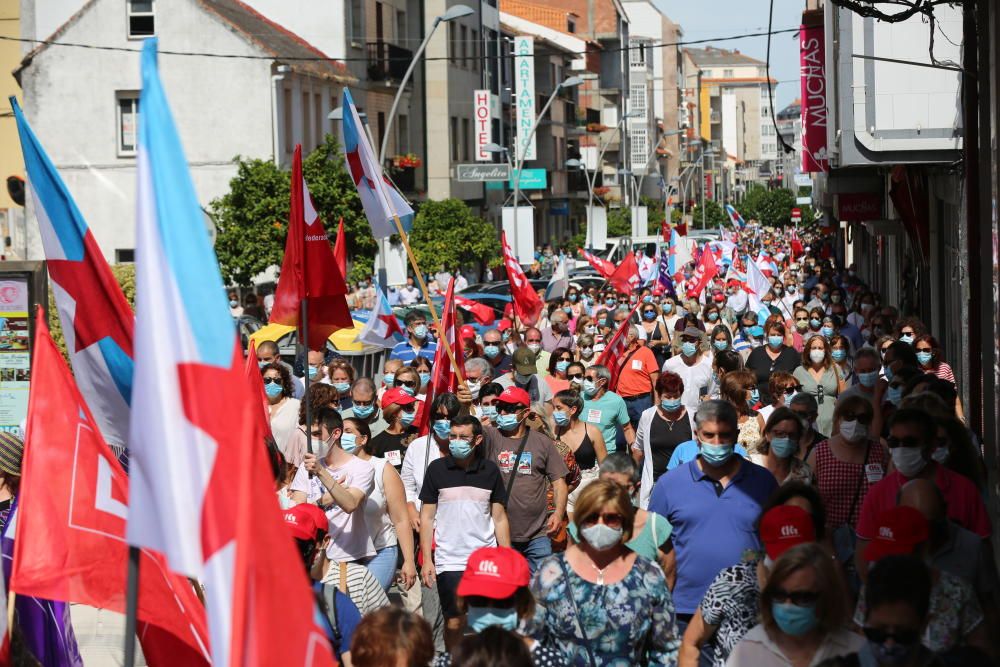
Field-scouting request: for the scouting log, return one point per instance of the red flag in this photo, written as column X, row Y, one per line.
column 602, row 266
column 309, row 270
column 682, row 229
column 703, row 273
column 483, row 313
column 612, row 354
column 340, row 249
column 70, row 540
column 256, row 382
column 626, row 276
column 665, row 230
column 443, row 377
column 527, row 304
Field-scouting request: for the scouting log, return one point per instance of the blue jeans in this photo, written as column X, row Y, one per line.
column 705, row 656
column 535, row 551
column 383, row 565
column 636, row 405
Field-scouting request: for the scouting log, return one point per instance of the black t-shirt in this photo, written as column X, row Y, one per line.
column 389, row 446
column 762, row 365
column 664, row 437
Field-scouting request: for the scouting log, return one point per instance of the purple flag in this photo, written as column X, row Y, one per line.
column 664, row 277
column 45, row 625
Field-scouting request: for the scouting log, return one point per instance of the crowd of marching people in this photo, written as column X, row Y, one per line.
column 790, row 487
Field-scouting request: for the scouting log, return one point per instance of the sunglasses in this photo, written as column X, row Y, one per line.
column 565, row 359
column 861, row 418
column 575, row 376
column 797, row 598
column 272, row 380
column 609, row 519
column 925, row 349
column 406, row 383
column 880, row 636
column 791, row 391
column 507, row 408
column 911, row 441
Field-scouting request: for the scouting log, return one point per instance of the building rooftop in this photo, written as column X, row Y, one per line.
column 550, row 17
column 712, row 56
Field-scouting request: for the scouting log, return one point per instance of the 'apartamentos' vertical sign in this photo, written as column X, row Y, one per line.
column 524, row 65
column 483, row 123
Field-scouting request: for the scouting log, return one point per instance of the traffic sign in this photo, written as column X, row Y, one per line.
column 796, row 215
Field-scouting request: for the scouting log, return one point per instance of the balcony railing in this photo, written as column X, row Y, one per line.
column 387, row 62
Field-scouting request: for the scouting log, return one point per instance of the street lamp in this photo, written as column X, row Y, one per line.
column 600, row 160
column 645, row 166
column 519, row 151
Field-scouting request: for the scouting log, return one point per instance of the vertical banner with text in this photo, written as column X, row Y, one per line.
column 483, row 119
column 812, row 70
column 524, row 74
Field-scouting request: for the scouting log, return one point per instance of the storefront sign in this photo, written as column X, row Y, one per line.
column 859, row 206
column 812, row 73
column 531, row 179
column 483, row 123
column 524, row 75
column 479, row 173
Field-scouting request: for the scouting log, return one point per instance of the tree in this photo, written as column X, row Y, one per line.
column 446, row 233
column 252, row 218
column 772, row 208
column 714, row 217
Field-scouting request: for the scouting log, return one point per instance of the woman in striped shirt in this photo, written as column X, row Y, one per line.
column 929, row 357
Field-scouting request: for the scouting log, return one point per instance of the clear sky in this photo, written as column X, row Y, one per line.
column 705, row 19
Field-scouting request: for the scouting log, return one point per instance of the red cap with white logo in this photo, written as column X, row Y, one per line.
column 494, row 572
column 900, row 530
column 784, row 527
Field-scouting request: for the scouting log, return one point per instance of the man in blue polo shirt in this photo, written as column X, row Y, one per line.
column 418, row 341
column 712, row 502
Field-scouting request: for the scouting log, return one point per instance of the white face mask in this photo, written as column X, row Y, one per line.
column 817, row 356
column 909, row 461
column 535, row 347
column 474, row 388
column 853, row 430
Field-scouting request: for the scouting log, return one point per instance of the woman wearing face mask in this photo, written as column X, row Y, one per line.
column 801, row 322
column 749, row 335
column 385, row 511
column 710, row 315
column 282, row 408
column 584, row 440
column 399, row 409
column 845, row 467
column 657, row 334
column 423, row 368
column 781, row 386
column 804, row 614
column 730, row 607
column 660, row 430
column 585, row 350
column 320, row 396
column 774, row 356
column 559, row 362
column 340, row 376
column 408, row 380
column 779, row 446
column 585, row 325
column 722, row 339
column 575, row 374
column 739, row 388
column 929, row 357
column 840, row 353
column 818, row 377
column 583, row 593
column 493, row 592
column 908, row 328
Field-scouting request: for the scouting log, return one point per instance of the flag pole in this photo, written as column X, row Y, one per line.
column 131, row 605
column 11, row 599
column 430, row 303
column 305, row 345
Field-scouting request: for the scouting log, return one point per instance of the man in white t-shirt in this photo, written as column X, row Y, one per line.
column 340, row 486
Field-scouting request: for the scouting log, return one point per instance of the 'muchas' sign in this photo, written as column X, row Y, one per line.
column 812, row 70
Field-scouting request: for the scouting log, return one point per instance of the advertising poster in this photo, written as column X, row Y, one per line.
column 15, row 360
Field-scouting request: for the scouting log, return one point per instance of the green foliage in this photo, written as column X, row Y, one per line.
column 714, row 216
column 619, row 222
column 252, row 218
column 446, row 233
column 124, row 274
column 772, row 208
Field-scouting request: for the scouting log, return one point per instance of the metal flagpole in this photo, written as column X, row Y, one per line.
column 131, row 605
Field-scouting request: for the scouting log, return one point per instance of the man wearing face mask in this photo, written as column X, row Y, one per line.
column 529, row 462
column 637, row 374
column 418, row 341
column 365, row 406
column 557, row 334
column 605, row 409
column 496, row 353
column 472, row 516
column 477, row 375
column 712, row 502
column 525, row 376
column 866, row 367
column 533, row 341
column 267, row 352
column 911, row 441
column 694, row 365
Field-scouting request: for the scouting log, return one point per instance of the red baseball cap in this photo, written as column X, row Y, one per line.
column 899, row 530
column 468, row 332
column 514, row 396
column 503, row 324
column 396, row 396
column 784, row 527
column 306, row 521
column 494, row 572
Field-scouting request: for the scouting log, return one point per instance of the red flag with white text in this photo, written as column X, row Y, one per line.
column 602, row 266
column 483, row 313
column 309, row 270
column 340, row 249
column 443, row 376
column 613, row 352
column 70, row 532
column 527, row 304
column 626, row 276
column 703, row 273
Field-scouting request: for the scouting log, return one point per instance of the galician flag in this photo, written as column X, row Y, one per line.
column 382, row 327
column 201, row 490
column 757, row 288
column 559, row 282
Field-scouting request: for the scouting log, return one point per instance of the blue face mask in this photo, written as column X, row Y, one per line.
column 671, row 404
column 349, row 442
column 894, row 654
column 775, row 341
column 649, row 315
column 424, row 379
column 610, row 303
column 480, row 618
column 233, row 304
column 567, row 309
column 560, row 417
column 313, row 372
column 713, row 316
column 363, row 411
column 491, row 351
column 924, row 358
column 668, row 307
column 261, row 364
column 688, row 348
column 409, row 390
column 273, row 389
column 572, row 298
column 754, row 396
column 407, row 418
column 589, row 388
column 420, row 331
column 507, row 422
column 721, row 345
column 894, row 395
column 827, row 332
column 388, row 379
column 561, row 366
column 783, row 447
column 906, row 339
column 342, row 387
column 794, row 620
column 838, row 355
column 814, row 323
column 460, row 449
column 715, row 455
column 505, row 336
column 868, row 379
column 888, row 373
column 489, row 411
column 647, row 299
column 442, row 427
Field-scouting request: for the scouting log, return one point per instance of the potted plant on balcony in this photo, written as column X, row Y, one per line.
column 602, row 190
column 597, row 127
column 406, row 161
